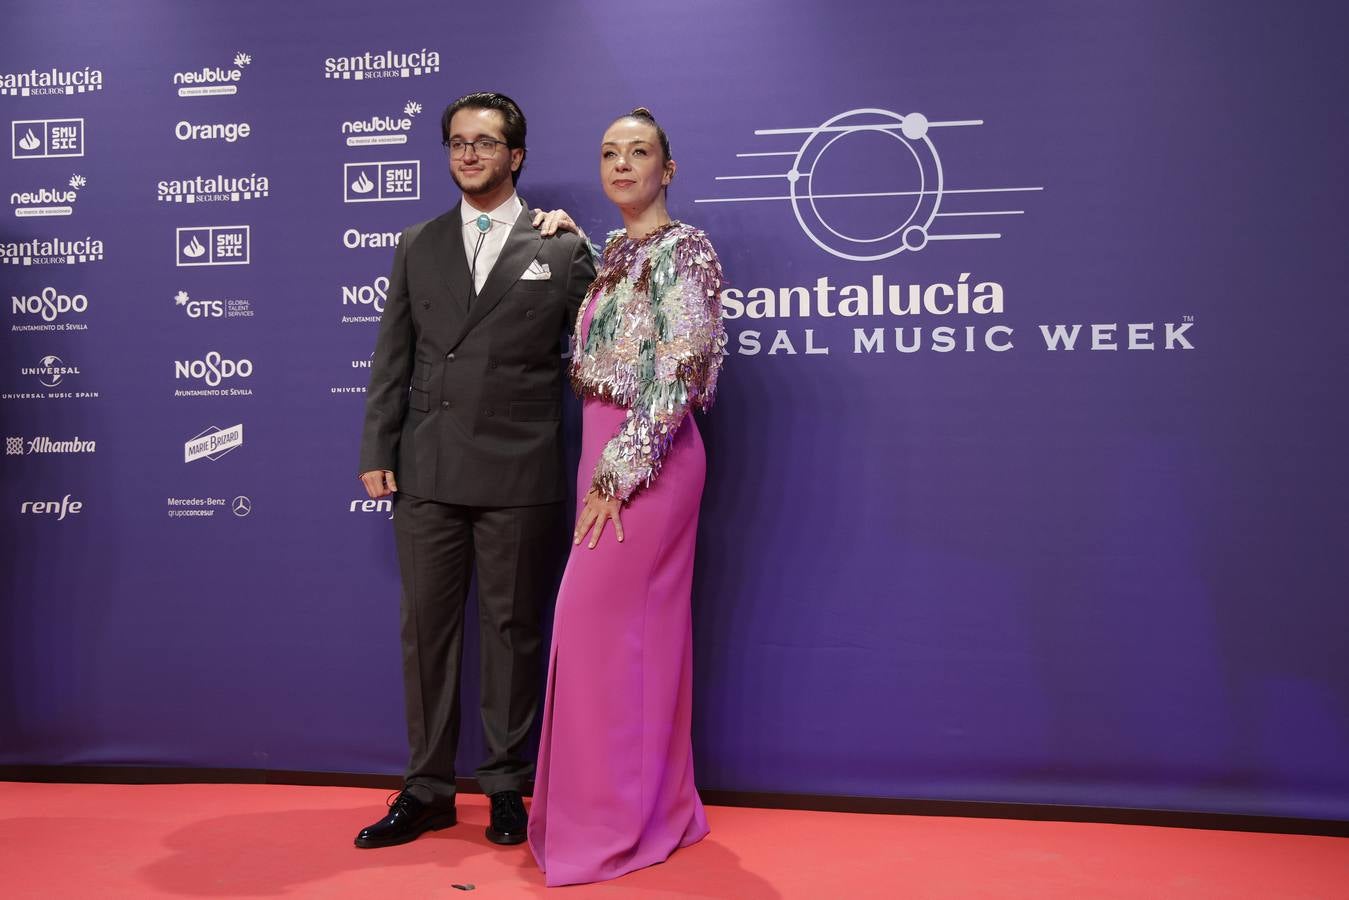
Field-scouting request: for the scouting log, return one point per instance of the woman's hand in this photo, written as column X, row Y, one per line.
column 596, row 511
column 549, row 223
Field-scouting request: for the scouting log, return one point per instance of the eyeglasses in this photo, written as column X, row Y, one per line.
column 484, row 147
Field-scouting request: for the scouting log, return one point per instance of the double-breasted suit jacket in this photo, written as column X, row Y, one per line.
column 464, row 403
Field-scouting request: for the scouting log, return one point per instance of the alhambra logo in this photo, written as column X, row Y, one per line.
column 50, row 252
column 57, row 201
column 381, row 130
column 212, row 81
column 49, row 82
column 214, row 189
column 384, row 64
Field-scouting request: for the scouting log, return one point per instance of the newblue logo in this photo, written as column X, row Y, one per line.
column 376, row 182
column 47, row 82
column 387, row 64
column 212, row 82
column 46, row 138
column 48, row 201
column 382, row 130
column 214, row 245
column 214, row 189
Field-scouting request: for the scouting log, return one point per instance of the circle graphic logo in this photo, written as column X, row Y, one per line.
column 242, row 506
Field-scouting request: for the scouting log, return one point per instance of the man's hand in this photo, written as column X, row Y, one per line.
column 596, row 512
column 379, row 483
column 549, row 223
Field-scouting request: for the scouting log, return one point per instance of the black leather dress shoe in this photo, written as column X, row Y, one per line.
column 408, row 819
column 509, row 819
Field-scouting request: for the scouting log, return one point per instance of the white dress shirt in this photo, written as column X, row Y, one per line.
column 503, row 220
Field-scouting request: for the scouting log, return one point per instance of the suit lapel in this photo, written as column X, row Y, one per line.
column 447, row 246
column 522, row 245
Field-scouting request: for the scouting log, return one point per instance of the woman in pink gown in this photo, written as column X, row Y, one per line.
column 614, row 790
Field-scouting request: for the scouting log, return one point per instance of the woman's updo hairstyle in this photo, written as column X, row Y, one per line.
column 642, row 114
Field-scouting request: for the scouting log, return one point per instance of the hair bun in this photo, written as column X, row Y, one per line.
column 642, row 111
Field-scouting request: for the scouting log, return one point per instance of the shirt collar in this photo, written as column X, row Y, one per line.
column 505, row 214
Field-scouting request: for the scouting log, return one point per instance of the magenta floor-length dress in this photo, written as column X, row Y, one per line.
column 614, row 790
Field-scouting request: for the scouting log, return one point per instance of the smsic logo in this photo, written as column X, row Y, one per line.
column 51, row 252
column 49, row 305
column 381, row 181
column 214, row 189
column 213, row 81
column 50, row 371
column 46, row 138
column 59, row 508
column 382, row 129
column 213, row 369
column 51, row 81
column 389, row 64
column 18, row 446
column 229, row 308
column 213, row 443
column 229, row 132
column 213, row 245
column 48, row 201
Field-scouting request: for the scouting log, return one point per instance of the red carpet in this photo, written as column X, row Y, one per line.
column 96, row 841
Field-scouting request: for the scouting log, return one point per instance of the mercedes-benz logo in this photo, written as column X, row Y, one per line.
column 242, row 506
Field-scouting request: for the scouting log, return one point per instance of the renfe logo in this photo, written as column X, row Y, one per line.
column 374, row 182
column 213, row 245
column 46, row 138
column 59, row 508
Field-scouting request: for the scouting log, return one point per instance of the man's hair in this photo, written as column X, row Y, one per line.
column 513, row 121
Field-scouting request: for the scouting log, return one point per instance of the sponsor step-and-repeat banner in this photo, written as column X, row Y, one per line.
column 1024, row 480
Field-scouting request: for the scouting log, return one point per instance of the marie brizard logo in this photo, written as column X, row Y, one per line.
column 867, row 184
column 213, row 443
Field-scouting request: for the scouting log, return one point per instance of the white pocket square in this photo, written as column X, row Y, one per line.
column 537, row 272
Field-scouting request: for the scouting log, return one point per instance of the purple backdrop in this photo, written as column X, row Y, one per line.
column 983, row 569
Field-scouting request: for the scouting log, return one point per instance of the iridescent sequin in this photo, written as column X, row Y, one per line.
column 655, row 346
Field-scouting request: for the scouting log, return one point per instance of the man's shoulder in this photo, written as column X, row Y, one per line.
column 412, row 232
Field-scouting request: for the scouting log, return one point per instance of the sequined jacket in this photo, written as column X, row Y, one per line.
column 655, row 346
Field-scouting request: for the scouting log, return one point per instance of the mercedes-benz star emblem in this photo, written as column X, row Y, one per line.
column 242, row 506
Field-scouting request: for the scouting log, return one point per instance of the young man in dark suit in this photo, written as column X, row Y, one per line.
column 462, row 420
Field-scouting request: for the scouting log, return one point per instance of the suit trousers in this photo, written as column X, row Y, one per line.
column 516, row 551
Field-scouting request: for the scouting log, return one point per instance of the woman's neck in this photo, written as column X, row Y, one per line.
column 640, row 223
